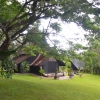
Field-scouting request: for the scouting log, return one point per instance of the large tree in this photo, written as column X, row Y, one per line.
column 16, row 17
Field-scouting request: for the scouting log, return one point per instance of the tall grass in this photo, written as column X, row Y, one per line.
column 29, row 87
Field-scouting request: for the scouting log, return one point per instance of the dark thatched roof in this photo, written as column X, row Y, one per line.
column 20, row 58
column 37, row 60
column 40, row 59
column 78, row 64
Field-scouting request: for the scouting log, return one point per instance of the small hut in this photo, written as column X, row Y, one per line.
column 77, row 65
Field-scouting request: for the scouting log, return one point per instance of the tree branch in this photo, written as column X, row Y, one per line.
column 30, row 21
column 18, row 36
column 6, row 43
column 21, row 10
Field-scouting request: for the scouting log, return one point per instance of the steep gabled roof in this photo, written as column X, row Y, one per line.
column 61, row 63
column 20, row 58
column 40, row 59
column 37, row 60
column 78, row 64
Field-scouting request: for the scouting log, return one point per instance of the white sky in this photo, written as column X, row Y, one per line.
column 69, row 31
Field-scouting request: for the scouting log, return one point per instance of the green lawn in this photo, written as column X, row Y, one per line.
column 29, row 87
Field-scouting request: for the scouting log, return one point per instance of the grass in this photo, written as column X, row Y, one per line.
column 29, row 87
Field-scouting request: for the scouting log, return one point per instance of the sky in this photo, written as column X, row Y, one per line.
column 70, row 32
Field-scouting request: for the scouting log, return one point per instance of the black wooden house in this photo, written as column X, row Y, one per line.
column 49, row 65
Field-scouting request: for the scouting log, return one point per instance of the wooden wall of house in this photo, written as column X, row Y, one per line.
column 35, row 69
column 50, row 66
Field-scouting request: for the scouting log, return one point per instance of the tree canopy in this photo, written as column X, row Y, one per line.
column 16, row 16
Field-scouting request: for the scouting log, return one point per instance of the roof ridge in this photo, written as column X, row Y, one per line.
column 35, row 60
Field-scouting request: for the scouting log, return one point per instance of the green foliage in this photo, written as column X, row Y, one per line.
column 30, row 50
column 68, row 63
column 25, row 66
column 47, row 51
column 92, row 55
column 41, row 71
column 63, row 69
column 7, row 68
column 9, row 9
column 75, row 50
column 69, row 71
column 6, row 54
